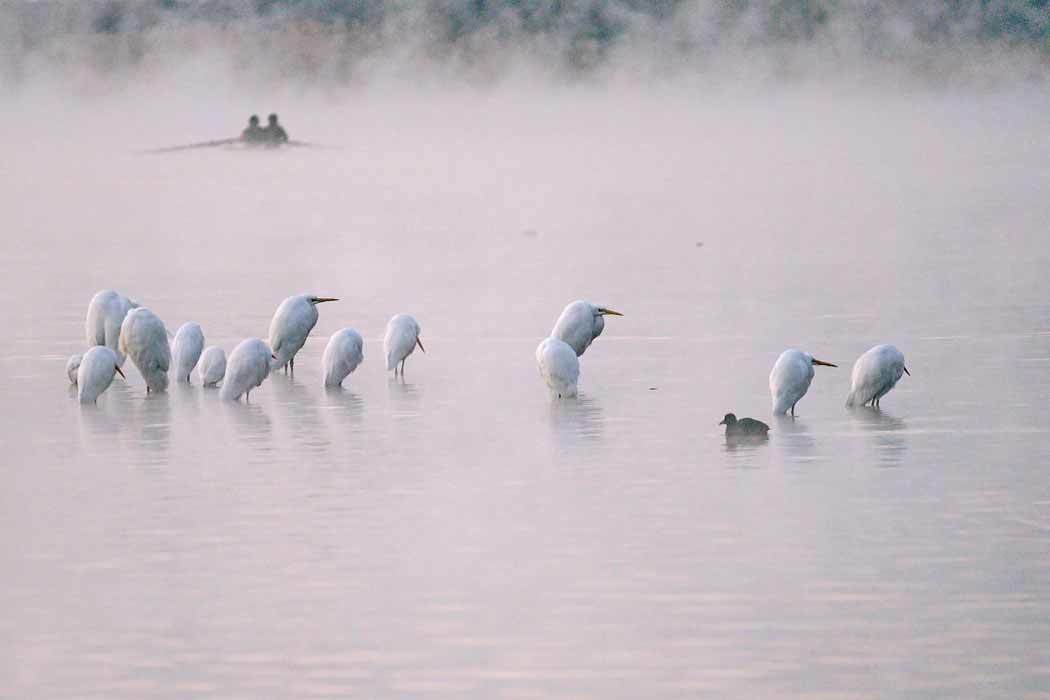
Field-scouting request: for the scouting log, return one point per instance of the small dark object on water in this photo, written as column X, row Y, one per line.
column 530, row 233
column 699, row 244
column 745, row 427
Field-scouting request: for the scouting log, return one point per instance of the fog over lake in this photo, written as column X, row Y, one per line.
column 460, row 533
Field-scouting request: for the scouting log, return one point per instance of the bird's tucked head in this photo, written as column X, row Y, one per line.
column 319, row 300
column 728, row 420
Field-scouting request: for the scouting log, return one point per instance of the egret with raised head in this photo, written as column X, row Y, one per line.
column 95, row 374
column 212, row 367
column 291, row 326
column 248, row 367
column 559, row 366
column 105, row 315
column 790, row 379
column 342, row 355
column 400, row 341
column 144, row 339
column 186, row 350
column 580, row 323
column 874, row 374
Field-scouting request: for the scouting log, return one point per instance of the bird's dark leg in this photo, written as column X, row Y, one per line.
column 247, row 396
column 291, row 364
column 792, row 410
column 402, row 369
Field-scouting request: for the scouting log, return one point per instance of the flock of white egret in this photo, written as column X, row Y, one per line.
column 116, row 327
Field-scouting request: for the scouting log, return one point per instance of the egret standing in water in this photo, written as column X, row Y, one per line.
column 249, row 366
column 344, row 352
column 874, row 374
column 559, row 366
column 144, row 339
column 789, row 381
column 72, row 365
column 400, row 341
column 212, row 367
column 186, row 350
column 96, row 373
column 291, row 325
column 105, row 314
column 580, row 323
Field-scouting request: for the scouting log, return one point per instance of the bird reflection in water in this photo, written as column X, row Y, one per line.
column 297, row 404
column 154, row 424
column 577, row 420
column 795, row 441
column 888, row 437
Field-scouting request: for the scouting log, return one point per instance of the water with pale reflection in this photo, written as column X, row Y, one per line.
column 457, row 534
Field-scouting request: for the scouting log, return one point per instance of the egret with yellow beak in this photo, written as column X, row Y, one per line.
column 580, row 323
column 789, row 381
column 290, row 327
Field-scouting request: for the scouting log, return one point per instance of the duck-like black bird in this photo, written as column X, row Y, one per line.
column 745, row 427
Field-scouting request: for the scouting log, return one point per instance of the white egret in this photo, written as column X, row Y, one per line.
column 744, row 428
column 789, row 381
column 580, row 323
column 212, row 367
column 342, row 355
column 144, row 339
column 874, row 374
column 291, row 324
column 559, row 366
column 104, row 315
column 186, row 350
column 400, row 341
column 72, row 365
column 248, row 367
column 95, row 374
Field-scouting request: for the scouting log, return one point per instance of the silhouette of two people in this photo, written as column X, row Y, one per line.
column 273, row 134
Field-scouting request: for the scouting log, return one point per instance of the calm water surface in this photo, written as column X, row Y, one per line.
column 458, row 534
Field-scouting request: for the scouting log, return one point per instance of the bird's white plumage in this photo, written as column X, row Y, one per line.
column 247, row 368
column 186, row 350
column 105, row 315
column 212, row 366
column 790, row 379
column 559, row 366
column 144, row 339
column 874, row 374
column 95, row 374
column 402, row 335
column 291, row 326
column 580, row 323
column 72, row 365
column 342, row 355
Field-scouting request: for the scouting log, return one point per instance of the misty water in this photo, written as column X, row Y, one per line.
column 460, row 534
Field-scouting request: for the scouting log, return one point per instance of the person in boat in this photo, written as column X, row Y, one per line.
column 274, row 134
column 254, row 133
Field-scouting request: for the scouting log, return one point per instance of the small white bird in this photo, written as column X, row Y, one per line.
column 72, row 366
column 249, row 366
column 186, row 350
column 342, row 355
column 105, row 314
column 874, row 374
column 789, row 381
column 212, row 367
column 144, row 339
column 400, row 341
column 559, row 366
column 291, row 325
column 96, row 373
column 580, row 323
